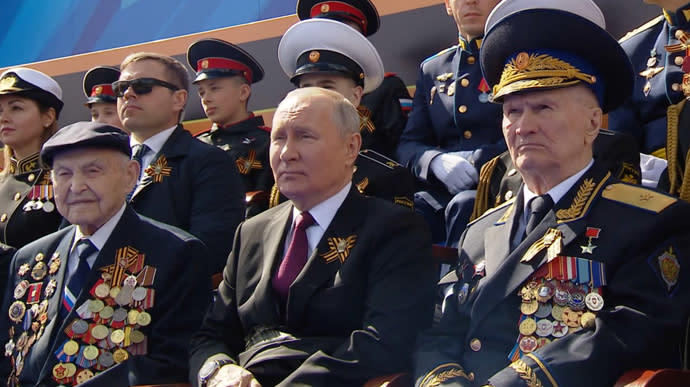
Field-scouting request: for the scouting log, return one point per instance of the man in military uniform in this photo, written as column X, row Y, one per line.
column 547, row 294
column 184, row 182
column 111, row 300
column 327, row 289
column 329, row 54
column 452, row 129
column 657, row 50
column 224, row 75
column 382, row 115
column 100, row 98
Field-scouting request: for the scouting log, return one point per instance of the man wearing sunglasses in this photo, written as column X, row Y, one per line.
column 183, row 182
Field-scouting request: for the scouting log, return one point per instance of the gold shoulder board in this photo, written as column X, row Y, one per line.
column 638, row 196
column 641, row 28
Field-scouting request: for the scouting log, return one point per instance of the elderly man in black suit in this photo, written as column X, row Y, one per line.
column 114, row 298
column 327, row 289
column 183, row 182
column 581, row 277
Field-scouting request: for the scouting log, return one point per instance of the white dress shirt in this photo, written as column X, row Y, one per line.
column 155, row 143
column 98, row 239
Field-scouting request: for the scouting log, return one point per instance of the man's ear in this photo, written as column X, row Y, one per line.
column 245, row 92
column 357, row 93
column 180, row 99
column 353, row 143
column 594, row 124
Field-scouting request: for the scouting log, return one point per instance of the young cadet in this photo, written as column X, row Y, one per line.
column 329, row 54
column 100, row 98
column 224, row 77
column 580, row 277
column 383, row 118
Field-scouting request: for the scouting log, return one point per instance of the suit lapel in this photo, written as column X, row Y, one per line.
column 568, row 217
column 326, row 260
column 174, row 147
column 498, row 239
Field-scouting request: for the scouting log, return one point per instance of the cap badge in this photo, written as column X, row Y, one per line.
column 98, row 89
column 204, row 64
column 325, row 8
column 314, row 56
column 8, row 82
column 522, row 61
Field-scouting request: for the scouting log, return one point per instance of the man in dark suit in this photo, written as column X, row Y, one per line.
column 327, row 289
column 112, row 299
column 183, row 182
column 576, row 292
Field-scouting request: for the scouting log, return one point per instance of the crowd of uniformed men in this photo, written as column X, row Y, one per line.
column 301, row 254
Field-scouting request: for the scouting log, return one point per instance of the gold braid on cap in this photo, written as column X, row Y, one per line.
column 527, row 71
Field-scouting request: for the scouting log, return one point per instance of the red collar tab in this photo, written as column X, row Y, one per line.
column 224, row 63
column 325, row 8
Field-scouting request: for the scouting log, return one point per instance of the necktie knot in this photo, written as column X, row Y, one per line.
column 304, row 221
column 140, row 152
column 538, row 206
column 85, row 248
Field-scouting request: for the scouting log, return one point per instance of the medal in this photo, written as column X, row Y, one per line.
column 528, row 344
column 79, row 327
column 594, row 302
column 144, row 319
column 136, row 337
column 106, row 313
column 588, row 320
column 48, row 207
column 17, row 311
column 543, row 311
column 484, row 89
column 120, row 355
column 529, row 308
column 84, row 375
column 23, row 269
column 20, row 289
column 95, row 306
column 90, row 352
column 70, row 348
column 54, row 264
column 528, row 326
column 105, row 360
column 99, row 332
column 39, row 271
column 559, row 329
column 544, row 328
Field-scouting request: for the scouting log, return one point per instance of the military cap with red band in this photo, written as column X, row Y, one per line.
column 361, row 12
column 98, row 84
column 215, row 58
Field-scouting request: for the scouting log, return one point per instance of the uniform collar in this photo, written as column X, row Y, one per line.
column 251, row 121
column 470, row 45
column 24, row 165
column 679, row 17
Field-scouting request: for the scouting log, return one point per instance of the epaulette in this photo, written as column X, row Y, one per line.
column 451, row 48
column 641, row 28
column 378, row 158
column 494, row 209
column 481, row 202
column 265, row 128
column 388, row 75
column 638, row 196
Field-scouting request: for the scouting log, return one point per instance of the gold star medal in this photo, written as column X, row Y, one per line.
column 591, row 233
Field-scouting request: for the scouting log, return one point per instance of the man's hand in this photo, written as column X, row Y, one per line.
column 231, row 375
column 453, row 170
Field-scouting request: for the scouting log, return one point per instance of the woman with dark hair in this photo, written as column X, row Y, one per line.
column 30, row 103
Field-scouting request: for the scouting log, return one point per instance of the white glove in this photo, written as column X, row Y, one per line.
column 454, row 171
column 651, row 168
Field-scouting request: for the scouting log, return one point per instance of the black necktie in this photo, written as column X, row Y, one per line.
column 538, row 207
column 78, row 279
column 139, row 154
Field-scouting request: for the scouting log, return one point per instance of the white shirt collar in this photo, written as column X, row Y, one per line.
column 556, row 192
column 103, row 233
column 154, row 142
column 323, row 213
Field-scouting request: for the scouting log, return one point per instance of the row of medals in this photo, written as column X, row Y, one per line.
column 109, row 308
column 37, row 314
column 554, row 308
column 37, row 204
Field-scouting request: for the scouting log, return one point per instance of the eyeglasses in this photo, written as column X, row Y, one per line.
column 140, row 86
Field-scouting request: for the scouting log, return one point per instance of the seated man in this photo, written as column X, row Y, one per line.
column 111, row 300
column 327, row 289
column 576, row 292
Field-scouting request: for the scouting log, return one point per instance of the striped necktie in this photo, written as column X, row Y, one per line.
column 77, row 281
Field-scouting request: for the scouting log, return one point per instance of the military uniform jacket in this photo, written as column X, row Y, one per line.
column 195, row 187
column 658, row 83
column 624, row 242
column 352, row 312
column 177, row 296
column 451, row 112
column 382, row 108
column 27, row 208
column 247, row 143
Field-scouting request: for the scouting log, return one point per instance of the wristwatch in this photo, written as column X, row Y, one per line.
column 210, row 368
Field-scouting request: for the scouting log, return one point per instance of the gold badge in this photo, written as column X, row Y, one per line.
column 8, row 82
column 362, row 185
column 98, row 89
column 444, row 77
column 552, row 241
column 204, row 64
column 158, row 169
column 522, row 61
column 669, row 268
column 314, row 56
column 325, row 8
column 339, row 248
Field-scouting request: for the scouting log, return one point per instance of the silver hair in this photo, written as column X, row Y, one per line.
column 345, row 116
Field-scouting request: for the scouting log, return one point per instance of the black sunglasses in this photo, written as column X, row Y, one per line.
column 140, row 86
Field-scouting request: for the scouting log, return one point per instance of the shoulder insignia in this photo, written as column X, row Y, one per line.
column 403, row 201
column 526, row 373
column 583, row 199
column 265, row 128
column 451, row 48
column 637, row 196
column 641, row 28
column 481, row 203
column 494, row 209
column 445, row 372
column 362, row 185
column 378, row 158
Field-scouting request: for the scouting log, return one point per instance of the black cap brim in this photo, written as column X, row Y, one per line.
column 563, row 31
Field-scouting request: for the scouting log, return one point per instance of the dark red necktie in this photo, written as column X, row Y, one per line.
column 295, row 257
